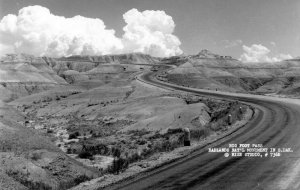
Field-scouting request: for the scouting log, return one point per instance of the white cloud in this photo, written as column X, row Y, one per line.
column 35, row 30
column 150, row 32
column 281, row 57
column 259, row 53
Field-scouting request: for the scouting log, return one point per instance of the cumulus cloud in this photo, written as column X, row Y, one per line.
column 260, row 53
column 281, row 57
column 150, row 32
column 35, row 30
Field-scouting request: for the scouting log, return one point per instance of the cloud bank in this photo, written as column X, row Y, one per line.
column 259, row 53
column 35, row 30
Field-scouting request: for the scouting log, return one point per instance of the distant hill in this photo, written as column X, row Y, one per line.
column 207, row 70
column 24, row 74
column 206, row 54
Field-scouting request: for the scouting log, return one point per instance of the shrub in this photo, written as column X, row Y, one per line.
column 216, row 126
column 134, row 157
column 116, row 152
column 85, row 155
column 119, row 165
column 36, row 156
column 49, row 131
column 81, row 179
column 141, row 141
column 197, row 134
column 73, row 136
column 69, row 151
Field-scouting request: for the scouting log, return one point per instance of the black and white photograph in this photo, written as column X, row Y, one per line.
column 149, row 95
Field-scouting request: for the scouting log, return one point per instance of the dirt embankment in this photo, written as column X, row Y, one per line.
column 29, row 160
column 175, row 151
column 105, row 125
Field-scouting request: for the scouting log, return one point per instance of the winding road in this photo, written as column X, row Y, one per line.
column 275, row 124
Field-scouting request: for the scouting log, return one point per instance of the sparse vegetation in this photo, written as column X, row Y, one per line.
column 92, row 119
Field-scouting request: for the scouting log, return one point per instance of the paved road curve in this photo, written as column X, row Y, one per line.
column 275, row 124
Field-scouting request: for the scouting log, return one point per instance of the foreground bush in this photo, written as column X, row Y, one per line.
column 118, row 165
column 198, row 134
column 85, row 155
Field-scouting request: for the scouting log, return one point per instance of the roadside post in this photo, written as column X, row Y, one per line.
column 229, row 119
column 187, row 137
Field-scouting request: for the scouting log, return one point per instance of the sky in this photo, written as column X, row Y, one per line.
column 250, row 30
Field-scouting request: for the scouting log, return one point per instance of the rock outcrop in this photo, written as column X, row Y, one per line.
column 22, row 75
column 211, row 71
